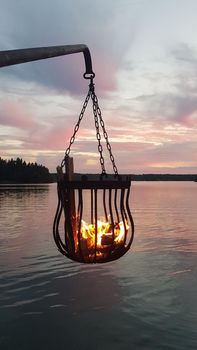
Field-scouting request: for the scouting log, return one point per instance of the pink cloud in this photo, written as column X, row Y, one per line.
column 137, row 147
column 53, row 138
column 56, row 138
column 105, row 70
column 15, row 114
column 189, row 120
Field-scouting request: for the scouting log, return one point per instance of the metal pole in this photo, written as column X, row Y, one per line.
column 11, row 57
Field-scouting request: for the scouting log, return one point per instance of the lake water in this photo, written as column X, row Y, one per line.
column 145, row 300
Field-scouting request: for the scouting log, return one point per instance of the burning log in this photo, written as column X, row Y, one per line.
column 106, row 240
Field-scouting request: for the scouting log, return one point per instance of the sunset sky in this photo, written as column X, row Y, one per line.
column 144, row 55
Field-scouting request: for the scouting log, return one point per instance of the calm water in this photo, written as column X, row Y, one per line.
column 145, row 300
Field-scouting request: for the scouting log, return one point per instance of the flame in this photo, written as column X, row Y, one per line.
column 104, row 233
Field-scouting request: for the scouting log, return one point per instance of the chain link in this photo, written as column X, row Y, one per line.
column 98, row 112
column 97, row 118
column 98, row 135
column 76, row 128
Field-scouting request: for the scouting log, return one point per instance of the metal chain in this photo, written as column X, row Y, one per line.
column 98, row 135
column 97, row 118
column 97, row 111
column 76, row 128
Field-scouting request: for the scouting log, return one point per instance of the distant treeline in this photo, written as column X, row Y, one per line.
column 21, row 172
column 139, row 177
column 164, row 177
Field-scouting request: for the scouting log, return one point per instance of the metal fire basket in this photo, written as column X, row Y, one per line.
column 97, row 226
column 104, row 204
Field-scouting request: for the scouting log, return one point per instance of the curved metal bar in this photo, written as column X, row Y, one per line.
column 80, row 211
column 111, row 215
column 12, row 57
column 122, row 210
column 104, row 204
column 96, row 225
column 115, row 205
column 130, row 218
column 68, row 223
column 88, row 63
column 61, row 246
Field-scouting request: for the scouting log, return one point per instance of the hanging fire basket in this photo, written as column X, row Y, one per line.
column 93, row 222
column 98, row 226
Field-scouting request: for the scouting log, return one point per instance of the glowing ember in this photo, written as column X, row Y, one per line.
column 105, row 235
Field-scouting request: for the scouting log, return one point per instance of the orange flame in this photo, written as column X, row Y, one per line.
column 105, row 233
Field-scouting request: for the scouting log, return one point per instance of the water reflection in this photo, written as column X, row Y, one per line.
column 22, row 189
column 21, row 207
column 165, row 216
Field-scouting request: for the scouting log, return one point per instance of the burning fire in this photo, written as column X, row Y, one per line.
column 104, row 233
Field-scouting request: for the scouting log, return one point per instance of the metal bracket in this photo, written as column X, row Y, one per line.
column 12, row 57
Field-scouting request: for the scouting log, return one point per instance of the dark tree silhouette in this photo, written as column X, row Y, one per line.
column 21, row 172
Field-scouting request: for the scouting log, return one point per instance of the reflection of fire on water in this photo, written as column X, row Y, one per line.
column 105, row 235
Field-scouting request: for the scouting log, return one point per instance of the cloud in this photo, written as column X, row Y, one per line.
column 15, row 114
column 171, row 108
column 67, row 24
column 184, row 53
column 145, row 79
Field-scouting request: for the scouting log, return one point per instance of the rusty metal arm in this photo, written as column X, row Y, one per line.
column 11, row 57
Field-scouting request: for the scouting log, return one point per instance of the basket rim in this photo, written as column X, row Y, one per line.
column 95, row 184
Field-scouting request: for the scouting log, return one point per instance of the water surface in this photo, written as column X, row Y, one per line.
column 145, row 300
